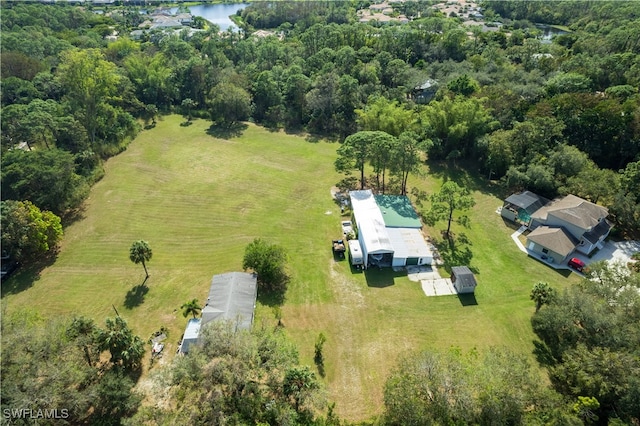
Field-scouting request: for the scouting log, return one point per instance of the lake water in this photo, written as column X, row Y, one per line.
column 548, row 32
column 217, row 14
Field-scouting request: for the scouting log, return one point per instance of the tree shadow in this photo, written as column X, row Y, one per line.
column 467, row 299
column 466, row 173
column 186, row 123
column 227, row 131
column 135, row 296
column 73, row 215
column 381, row 278
column 271, row 298
column 543, row 354
column 455, row 251
column 25, row 276
column 398, row 204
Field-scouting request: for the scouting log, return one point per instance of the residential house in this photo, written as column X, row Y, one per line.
column 232, row 297
column 567, row 224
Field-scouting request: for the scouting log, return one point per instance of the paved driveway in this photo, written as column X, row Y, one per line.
column 620, row 251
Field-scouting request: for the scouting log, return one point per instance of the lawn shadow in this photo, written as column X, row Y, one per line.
column 566, row 273
column 73, row 215
column 467, row 299
column 186, row 123
column 381, row 278
column 24, row 277
column 466, row 174
column 135, row 296
column 227, row 132
column 511, row 225
column 543, row 354
column 455, row 251
column 271, row 298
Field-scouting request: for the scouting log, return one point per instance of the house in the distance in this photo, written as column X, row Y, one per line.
column 232, row 297
column 566, row 224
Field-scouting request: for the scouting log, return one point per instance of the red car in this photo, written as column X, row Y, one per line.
column 576, row 264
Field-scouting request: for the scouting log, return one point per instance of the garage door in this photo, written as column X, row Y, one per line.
column 412, row 260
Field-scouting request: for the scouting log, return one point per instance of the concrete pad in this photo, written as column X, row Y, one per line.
column 420, row 273
column 438, row 287
column 620, row 251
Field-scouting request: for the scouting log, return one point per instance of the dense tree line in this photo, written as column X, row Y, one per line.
column 553, row 117
column 506, row 99
column 57, row 365
column 239, row 377
column 589, row 340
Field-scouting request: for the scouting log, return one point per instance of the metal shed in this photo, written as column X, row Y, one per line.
column 372, row 233
column 410, row 247
column 463, row 279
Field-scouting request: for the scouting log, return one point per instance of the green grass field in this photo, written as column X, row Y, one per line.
column 199, row 200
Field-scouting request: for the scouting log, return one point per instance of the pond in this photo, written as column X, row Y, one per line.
column 217, row 14
column 549, row 32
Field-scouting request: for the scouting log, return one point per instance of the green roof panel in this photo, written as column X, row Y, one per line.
column 397, row 211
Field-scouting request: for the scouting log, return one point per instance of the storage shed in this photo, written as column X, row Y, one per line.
column 463, row 279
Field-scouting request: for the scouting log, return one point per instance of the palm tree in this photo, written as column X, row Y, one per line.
column 542, row 293
column 140, row 252
column 191, row 307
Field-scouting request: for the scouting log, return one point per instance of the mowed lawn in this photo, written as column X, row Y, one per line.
column 199, row 200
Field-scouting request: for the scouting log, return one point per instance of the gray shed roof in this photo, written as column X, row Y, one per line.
column 232, row 296
column 463, row 276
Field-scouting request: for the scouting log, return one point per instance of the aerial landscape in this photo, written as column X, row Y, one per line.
column 320, row 212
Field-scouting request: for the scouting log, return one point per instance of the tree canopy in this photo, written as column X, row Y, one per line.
column 27, row 232
column 268, row 261
column 140, row 252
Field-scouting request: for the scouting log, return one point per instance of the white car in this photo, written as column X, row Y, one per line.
column 347, row 227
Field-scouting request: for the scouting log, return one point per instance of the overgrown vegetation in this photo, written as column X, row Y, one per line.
column 555, row 118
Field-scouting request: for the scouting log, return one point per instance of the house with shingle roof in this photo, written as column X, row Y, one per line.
column 232, row 297
column 566, row 224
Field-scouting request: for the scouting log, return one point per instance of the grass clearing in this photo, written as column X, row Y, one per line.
column 199, row 200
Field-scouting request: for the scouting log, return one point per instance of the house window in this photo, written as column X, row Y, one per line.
column 545, row 251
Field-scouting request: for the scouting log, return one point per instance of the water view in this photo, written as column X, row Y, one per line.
column 217, row 14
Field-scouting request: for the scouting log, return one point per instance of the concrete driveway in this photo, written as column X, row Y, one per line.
column 620, row 251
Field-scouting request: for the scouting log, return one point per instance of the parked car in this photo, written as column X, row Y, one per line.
column 347, row 227
column 576, row 264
